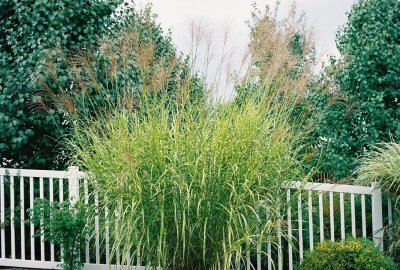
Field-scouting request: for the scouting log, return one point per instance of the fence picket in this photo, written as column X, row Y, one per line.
column 107, row 228
column 32, row 227
column 332, row 216
column 97, row 232
column 289, row 221
column 280, row 253
column 300, row 219
column 51, row 199
column 390, row 218
column 321, row 216
column 342, row 222
column 310, row 220
column 377, row 220
column 353, row 215
column 12, row 220
column 41, row 196
column 22, row 215
column 269, row 252
column 86, row 195
column 363, row 216
column 2, row 218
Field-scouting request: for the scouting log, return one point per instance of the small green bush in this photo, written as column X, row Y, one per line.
column 357, row 254
column 62, row 224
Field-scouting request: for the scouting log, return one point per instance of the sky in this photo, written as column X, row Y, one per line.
column 324, row 16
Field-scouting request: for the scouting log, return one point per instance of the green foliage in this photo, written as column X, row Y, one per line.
column 65, row 53
column 30, row 30
column 186, row 184
column 64, row 225
column 382, row 165
column 367, row 75
column 346, row 255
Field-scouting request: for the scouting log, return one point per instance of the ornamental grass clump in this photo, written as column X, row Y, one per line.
column 194, row 188
column 382, row 165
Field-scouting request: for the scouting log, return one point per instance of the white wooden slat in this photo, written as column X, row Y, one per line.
column 321, row 217
column 12, row 220
column 289, row 221
column 22, row 215
column 310, row 220
column 258, row 247
column 248, row 262
column 2, row 218
column 390, row 218
column 61, row 190
column 280, row 253
column 336, row 188
column 128, row 259
column 61, row 199
column 86, row 195
column 97, row 232
column 363, row 216
column 332, row 216
column 258, row 255
column 51, row 199
column 32, row 227
column 269, row 252
column 300, row 219
column 342, row 221
column 377, row 216
column 353, row 215
column 139, row 258
column 107, row 236
column 117, row 254
column 41, row 196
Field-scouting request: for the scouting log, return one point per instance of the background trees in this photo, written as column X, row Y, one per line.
column 30, row 31
column 62, row 53
column 361, row 107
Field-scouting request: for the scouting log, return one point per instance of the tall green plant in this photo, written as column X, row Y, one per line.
column 62, row 224
column 194, row 188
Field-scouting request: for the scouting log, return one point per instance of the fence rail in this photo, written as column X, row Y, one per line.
column 322, row 211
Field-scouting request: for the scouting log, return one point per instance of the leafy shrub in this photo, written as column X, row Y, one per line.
column 186, row 184
column 64, row 225
column 357, row 254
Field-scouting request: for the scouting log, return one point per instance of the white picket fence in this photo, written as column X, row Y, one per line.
column 328, row 204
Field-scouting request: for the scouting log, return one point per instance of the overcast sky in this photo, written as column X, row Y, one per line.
column 325, row 16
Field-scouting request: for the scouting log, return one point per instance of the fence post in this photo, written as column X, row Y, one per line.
column 377, row 217
column 73, row 184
